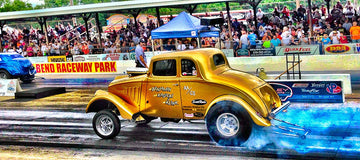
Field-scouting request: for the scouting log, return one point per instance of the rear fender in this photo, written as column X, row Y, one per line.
column 126, row 110
column 257, row 118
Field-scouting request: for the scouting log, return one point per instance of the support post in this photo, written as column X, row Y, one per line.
column 2, row 23
column 86, row 18
column 158, row 19
column 98, row 29
column 229, row 23
column 135, row 14
column 310, row 19
column 45, row 31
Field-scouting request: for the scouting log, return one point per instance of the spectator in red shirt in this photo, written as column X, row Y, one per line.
column 286, row 12
column 85, row 48
column 323, row 10
column 343, row 38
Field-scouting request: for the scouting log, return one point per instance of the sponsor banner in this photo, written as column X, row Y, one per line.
column 262, row 52
column 339, row 49
column 8, row 87
column 115, row 56
column 38, row 59
column 69, row 59
column 228, row 52
column 242, row 53
column 56, row 58
column 76, row 67
column 356, row 47
column 87, row 58
column 101, row 57
column 309, row 91
column 303, row 49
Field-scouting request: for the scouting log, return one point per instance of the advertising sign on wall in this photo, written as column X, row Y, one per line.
column 262, row 52
column 356, row 48
column 303, row 49
column 338, row 49
column 76, row 67
column 56, row 58
column 87, row 58
column 242, row 53
column 8, row 87
column 115, row 56
column 228, row 52
column 38, row 59
column 309, row 91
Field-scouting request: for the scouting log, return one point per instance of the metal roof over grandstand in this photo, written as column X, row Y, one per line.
column 102, row 7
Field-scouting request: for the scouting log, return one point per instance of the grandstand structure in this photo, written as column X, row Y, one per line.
column 89, row 11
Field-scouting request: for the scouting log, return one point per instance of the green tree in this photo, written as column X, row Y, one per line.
column 16, row 5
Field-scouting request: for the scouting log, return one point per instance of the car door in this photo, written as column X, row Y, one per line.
column 195, row 92
column 163, row 91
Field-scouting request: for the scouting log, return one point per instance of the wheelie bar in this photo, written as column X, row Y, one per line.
column 296, row 130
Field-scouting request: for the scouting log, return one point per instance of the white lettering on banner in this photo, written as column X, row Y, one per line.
column 304, row 49
column 298, row 49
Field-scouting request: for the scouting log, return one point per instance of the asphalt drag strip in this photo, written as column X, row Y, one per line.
column 334, row 133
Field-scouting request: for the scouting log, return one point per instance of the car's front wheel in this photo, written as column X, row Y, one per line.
column 106, row 124
column 228, row 124
column 4, row 74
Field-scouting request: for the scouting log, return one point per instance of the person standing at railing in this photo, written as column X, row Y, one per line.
column 140, row 57
column 343, row 38
column 347, row 25
column 84, row 48
column 132, row 47
column 355, row 33
column 252, row 39
column 275, row 41
column 244, row 41
column 303, row 40
column 335, row 37
column 124, row 48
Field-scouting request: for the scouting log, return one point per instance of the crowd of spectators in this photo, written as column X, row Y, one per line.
column 282, row 27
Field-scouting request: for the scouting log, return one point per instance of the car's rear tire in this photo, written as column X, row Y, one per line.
column 5, row 74
column 228, row 124
column 106, row 124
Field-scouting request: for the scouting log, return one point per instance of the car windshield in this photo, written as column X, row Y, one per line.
column 218, row 59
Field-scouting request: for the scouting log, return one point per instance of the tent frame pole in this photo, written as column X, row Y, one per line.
column 153, row 49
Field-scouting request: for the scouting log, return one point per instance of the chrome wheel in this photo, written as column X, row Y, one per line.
column 104, row 125
column 227, row 124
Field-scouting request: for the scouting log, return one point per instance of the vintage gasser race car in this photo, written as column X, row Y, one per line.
column 188, row 85
column 13, row 65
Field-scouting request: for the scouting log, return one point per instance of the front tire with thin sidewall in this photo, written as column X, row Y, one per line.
column 106, row 124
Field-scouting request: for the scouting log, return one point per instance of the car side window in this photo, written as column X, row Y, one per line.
column 188, row 68
column 164, row 67
column 218, row 59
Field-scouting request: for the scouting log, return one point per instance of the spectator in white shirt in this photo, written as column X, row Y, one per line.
column 259, row 14
column 181, row 46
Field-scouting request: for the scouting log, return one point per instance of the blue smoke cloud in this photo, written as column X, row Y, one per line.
column 335, row 129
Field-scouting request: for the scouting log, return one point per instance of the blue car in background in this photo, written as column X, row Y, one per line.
column 13, row 66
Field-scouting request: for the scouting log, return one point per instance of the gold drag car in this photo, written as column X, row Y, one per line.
column 188, row 85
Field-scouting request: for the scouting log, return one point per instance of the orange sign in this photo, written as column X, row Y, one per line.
column 76, row 67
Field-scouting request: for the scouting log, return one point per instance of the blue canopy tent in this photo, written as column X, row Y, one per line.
column 184, row 26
